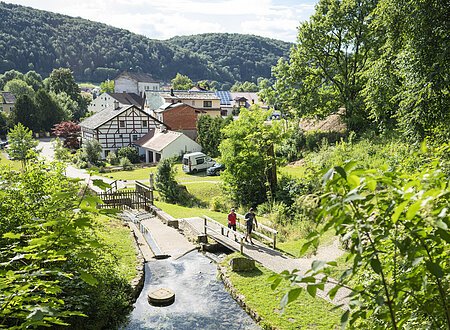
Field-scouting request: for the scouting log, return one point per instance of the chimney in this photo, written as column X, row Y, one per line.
column 116, row 104
column 171, row 92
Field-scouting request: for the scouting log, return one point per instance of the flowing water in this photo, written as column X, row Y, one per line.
column 201, row 301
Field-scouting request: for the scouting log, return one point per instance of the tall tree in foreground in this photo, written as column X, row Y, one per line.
column 395, row 226
column 324, row 69
column 409, row 82
column 247, row 153
column 22, row 146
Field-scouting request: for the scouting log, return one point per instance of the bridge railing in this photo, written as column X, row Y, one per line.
column 224, row 231
column 268, row 230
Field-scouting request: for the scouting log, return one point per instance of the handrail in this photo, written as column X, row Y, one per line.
column 222, row 231
column 274, row 232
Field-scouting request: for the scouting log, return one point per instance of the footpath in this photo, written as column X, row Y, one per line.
column 165, row 240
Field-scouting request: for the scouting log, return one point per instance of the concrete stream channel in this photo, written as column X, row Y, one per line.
column 201, row 300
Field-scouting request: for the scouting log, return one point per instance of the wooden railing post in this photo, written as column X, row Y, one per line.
column 242, row 245
column 206, row 224
column 274, row 241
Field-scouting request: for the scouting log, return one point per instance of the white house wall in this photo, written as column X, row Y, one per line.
column 180, row 146
column 125, row 85
column 101, row 102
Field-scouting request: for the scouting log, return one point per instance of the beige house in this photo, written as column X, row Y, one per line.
column 204, row 100
column 7, row 102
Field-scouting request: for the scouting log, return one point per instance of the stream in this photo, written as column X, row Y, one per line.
column 201, row 301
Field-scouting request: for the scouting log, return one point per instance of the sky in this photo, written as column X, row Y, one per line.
column 163, row 19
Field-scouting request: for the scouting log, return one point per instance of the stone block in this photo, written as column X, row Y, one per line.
column 241, row 264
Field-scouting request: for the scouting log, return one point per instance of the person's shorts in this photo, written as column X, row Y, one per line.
column 232, row 226
column 249, row 228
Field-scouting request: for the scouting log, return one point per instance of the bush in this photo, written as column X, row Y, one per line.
column 218, row 204
column 112, row 158
column 126, row 164
column 129, row 152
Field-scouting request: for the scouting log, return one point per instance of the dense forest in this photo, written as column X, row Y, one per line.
column 38, row 40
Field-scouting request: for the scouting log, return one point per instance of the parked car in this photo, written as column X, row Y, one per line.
column 3, row 144
column 215, row 169
column 196, row 161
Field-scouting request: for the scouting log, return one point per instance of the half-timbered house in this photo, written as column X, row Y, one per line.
column 117, row 126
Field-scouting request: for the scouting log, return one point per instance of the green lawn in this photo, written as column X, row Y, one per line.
column 119, row 241
column 294, row 246
column 14, row 165
column 304, row 313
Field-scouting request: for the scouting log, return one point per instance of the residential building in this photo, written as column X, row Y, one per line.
column 160, row 144
column 230, row 101
column 7, row 102
column 117, row 126
column 179, row 117
column 132, row 82
column 106, row 100
column 204, row 100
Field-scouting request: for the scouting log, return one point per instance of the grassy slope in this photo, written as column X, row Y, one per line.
column 304, row 313
column 119, row 240
column 14, row 165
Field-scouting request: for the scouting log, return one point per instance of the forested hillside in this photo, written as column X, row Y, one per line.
column 246, row 57
column 33, row 39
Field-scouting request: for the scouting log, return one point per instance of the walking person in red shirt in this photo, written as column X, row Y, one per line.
column 232, row 221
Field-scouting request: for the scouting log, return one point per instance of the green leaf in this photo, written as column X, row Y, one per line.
column 353, row 197
column 349, row 165
column 354, row 181
column 412, row 210
column 333, row 291
column 435, row 269
column 398, row 210
column 101, row 184
column 293, row 294
column 12, row 235
column 328, row 176
column 376, row 265
column 371, row 184
column 317, row 265
column 312, row 289
column 88, row 278
column 275, row 283
column 441, row 224
column 344, row 319
column 341, row 172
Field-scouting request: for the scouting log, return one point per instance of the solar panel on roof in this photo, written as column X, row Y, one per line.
column 225, row 97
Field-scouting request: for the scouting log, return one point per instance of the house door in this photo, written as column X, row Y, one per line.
column 150, row 156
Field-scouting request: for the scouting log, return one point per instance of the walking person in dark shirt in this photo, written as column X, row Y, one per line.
column 249, row 218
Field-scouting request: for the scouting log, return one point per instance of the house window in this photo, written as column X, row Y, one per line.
column 120, row 136
column 107, row 152
column 144, row 123
column 158, row 157
column 121, row 123
column 135, row 137
column 207, row 104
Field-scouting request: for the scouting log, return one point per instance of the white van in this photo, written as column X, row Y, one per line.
column 196, row 161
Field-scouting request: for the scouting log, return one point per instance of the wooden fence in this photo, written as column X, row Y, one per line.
column 141, row 197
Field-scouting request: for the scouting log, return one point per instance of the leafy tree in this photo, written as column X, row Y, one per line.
column 3, row 124
column 408, row 82
column 209, row 133
column 56, row 271
column 48, row 110
column 395, row 226
column 107, row 86
column 33, row 79
column 68, row 106
column 246, row 86
column 9, row 75
column 92, row 150
column 324, row 69
column 61, row 153
column 70, row 132
column 131, row 153
column 19, row 88
column 165, row 181
column 247, row 153
column 61, row 80
column 22, row 146
column 181, row 82
column 25, row 112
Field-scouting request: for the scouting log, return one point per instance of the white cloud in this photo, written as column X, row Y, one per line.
column 161, row 19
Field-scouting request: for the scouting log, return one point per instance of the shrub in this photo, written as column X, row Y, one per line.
column 129, row 152
column 112, row 158
column 126, row 164
column 218, row 204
